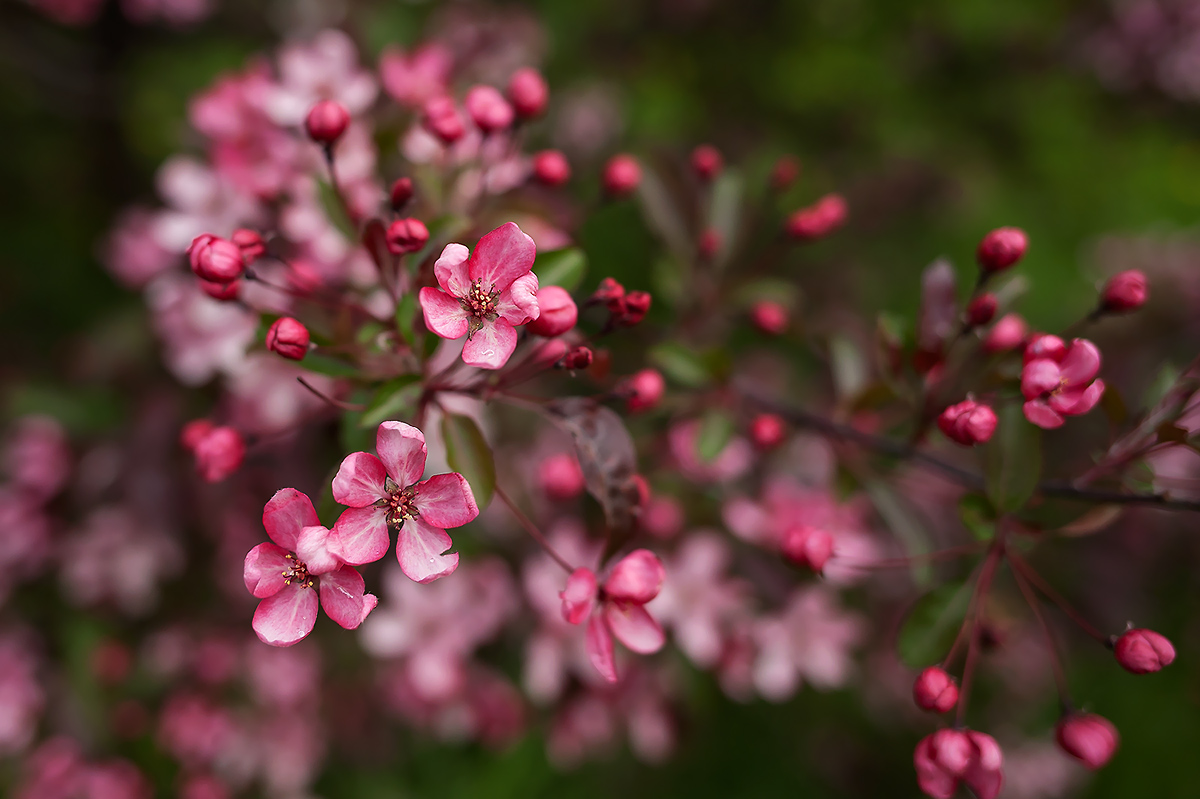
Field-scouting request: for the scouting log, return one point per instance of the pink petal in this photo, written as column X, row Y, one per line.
column 360, row 535
column 401, row 447
column 599, row 646
column 312, row 549
column 444, row 315
column 1078, row 401
column 1081, row 363
column 636, row 578
column 502, row 256
column 286, row 617
column 264, row 568
column 359, row 481
column 343, row 598
column 1040, row 376
column 491, row 346
column 518, row 303
column 579, row 597
column 634, row 627
column 1041, row 414
column 419, row 549
column 450, row 269
column 286, row 514
column 445, row 500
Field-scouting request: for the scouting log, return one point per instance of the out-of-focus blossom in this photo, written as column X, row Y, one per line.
column 809, row 640
column 416, row 77
column 325, row 68
column 1060, row 380
column 728, row 465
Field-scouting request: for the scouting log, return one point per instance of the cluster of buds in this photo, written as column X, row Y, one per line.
column 968, row 423
column 218, row 450
column 625, row 308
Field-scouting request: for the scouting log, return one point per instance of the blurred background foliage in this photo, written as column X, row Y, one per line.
column 939, row 120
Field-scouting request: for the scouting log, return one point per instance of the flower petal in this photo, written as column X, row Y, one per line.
column 286, row 514
column 419, row 549
column 359, row 481
column 637, row 577
column 286, row 617
column 519, row 303
column 342, row 596
column 634, row 627
column 1041, row 414
column 312, row 549
column 444, row 315
column 599, row 646
column 491, row 346
column 360, row 535
column 579, row 596
column 264, row 568
column 1081, row 363
column 1040, row 376
column 445, row 500
column 1079, row 400
column 502, row 256
column 450, row 269
column 401, row 447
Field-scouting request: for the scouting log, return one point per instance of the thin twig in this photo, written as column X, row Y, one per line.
column 533, row 531
column 1060, row 679
column 1036, row 579
column 345, row 406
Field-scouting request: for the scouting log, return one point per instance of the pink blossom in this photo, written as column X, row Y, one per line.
column 561, row 477
column 288, row 575
column 1007, row 334
column 116, row 558
column 728, row 465
column 131, row 254
column 557, row 313
column 528, row 92
column 484, row 295
column 325, row 68
column 1001, row 248
column 201, row 336
column 38, row 458
column 950, row 757
column 176, row 13
column 387, row 491
column 21, row 697
column 811, row 639
column 27, row 541
column 414, row 78
column 1059, row 381
column 968, row 422
column 195, row 731
column 622, row 175
column 1089, row 738
column 488, row 109
column 817, row 220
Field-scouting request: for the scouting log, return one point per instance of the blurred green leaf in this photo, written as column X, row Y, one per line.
column 80, row 409
column 932, row 624
column 716, row 429
column 1014, row 460
column 977, row 515
column 326, row 365
column 393, row 400
column 565, row 268
column 724, row 212
column 680, row 364
column 850, row 370
column 406, row 315
column 903, row 524
column 335, row 211
column 468, row 454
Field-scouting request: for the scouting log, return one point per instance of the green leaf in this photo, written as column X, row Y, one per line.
column 680, row 364
column 565, row 268
column 724, row 212
column 469, row 454
column 80, row 409
column 716, row 428
column 394, row 399
column 1014, row 460
column 406, row 314
column 325, row 365
column 934, row 621
column 977, row 516
column 335, row 211
column 903, row 524
column 849, row 367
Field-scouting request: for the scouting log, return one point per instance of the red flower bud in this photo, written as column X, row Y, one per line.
column 488, row 109
column 289, row 338
column 1143, row 651
column 561, row 476
column 326, row 122
column 1125, row 291
column 770, row 317
column 250, row 243
column 406, row 235
column 767, row 431
column 645, row 390
column 808, row 547
column 785, row 172
column 1045, row 345
column 950, row 757
column 707, row 162
column 225, row 292
column 1001, row 248
column 935, row 690
column 441, row 118
column 817, row 220
column 550, row 168
column 577, row 358
column 219, row 454
column 609, row 291
column 637, row 304
column 968, row 423
column 558, row 313
column 709, row 243
column 401, row 193
column 551, row 352
column 528, row 93
column 1089, row 738
column 194, row 432
column 981, row 310
column 1007, row 334
column 622, row 174
column 214, row 259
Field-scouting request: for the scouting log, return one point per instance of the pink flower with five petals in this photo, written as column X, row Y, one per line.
column 387, row 491
column 289, row 574
column 1059, row 380
column 484, row 295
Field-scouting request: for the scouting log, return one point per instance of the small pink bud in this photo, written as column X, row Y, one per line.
column 225, row 292
column 288, row 338
column 561, row 477
column 1007, row 334
column 528, row 92
column 767, row 431
column 551, row 353
column 1091, row 739
column 637, row 578
column 250, row 242
column 1142, row 651
column 488, row 109
column 550, row 168
column 608, row 292
column 215, row 259
column 622, row 174
column 1045, row 345
column 326, row 122
column 817, row 220
column 194, row 432
column 558, row 312
column 406, row 235
column 219, row 454
column 981, row 310
column 1125, row 291
column 707, row 162
column 637, row 304
column 770, row 317
column 441, row 118
column 579, row 596
column 578, row 358
column 401, row 193
column 808, row 547
column 968, row 423
column 645, row 390
column 1001, row 248
column 935, row 690
column 785, row 172
column 708, row 245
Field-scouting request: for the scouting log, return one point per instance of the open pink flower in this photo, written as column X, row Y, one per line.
column 1059, row 380
column 634, row 581
column 484, row 295
column 385, row 491
column 289, row 574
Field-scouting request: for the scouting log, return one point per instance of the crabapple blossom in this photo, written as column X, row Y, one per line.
column 1059, row 380
column 1001, row 248
column 577, row 358
column 767, row 431
column 290, row 573
column 770, row 317
column 250, row 242
column 981, row 309
column 1087, row 737
column 326, row 122
column 484, row 295
column 644, row 390
column 951, row 757
column 968, row 423
column 1141, row 651
column 400, row 193
column 1125, row 291
column 387, row 492
column 809, row 638
column 551, row 168
column 416, row 77
column 609, row 292
column 1008, row 333
column 528, row 92
column 406, row 236
column 817, row 220
column 807, row 547
column 488, row 109
column 637, row 305
column 557, row 312
column 219, row 451
column 622, row 174
column 442, row 118
column 561, row 477
column 935, row 690
column 288, row 338
column 215, row 259
column 707, row 162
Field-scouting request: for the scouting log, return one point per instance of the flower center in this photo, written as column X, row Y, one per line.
column 480, row 303
column 298, row 571
column 401, row 504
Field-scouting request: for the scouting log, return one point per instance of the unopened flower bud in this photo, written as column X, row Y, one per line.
column 219, row 454
column 1045, row 345
column 550, row 168
column 1142, row 651
column 770, row 317
column 406, row 235
column 1091, row 739
column 561, row 477
column 1125, row 291
column 645, row 390
column 609, row 291
column 550, row 353
column 488, row 109
column 194, row 432
column 579, row 596
column 558, row 312
column 215, row 259
column 577, row 358
column 981, row 310
column 708, row 245
column 817, row 220
column 637, row 305
column 250, row 242
column 528, row 92
column 288, row 338
column 1007, row 334
column 441, row 118
column 968, row 423
column 401, row 193
column 707, row 162
column 767, row 431
column 225, row 292
column 622, row 174
column 326, row 122
column 808, row 547
column 935, row 690
column 785, row 172
column 1001, row 248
